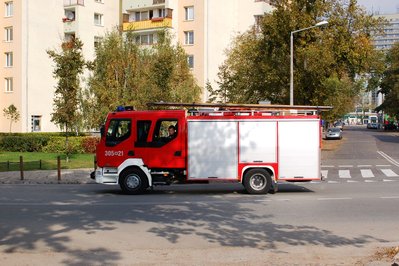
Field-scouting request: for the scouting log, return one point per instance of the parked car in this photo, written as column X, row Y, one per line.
column 339, row 125
column 372, row 125
column 334, row 133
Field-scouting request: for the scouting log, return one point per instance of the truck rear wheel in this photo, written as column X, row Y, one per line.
column 257, row 181
column 133, row 181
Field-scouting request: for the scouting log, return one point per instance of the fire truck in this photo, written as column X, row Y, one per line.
column 256, row 145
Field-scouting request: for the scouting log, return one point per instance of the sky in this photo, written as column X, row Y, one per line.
column 381, row 6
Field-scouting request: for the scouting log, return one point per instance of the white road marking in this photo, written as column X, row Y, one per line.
column 388, row 158
column 327, row 166
column 332, row 182
column 393, row 197
column 383, row 165
column 352, row 181
column 334, row 198
column 366, row 173
column 369, row 181
column 389, row 172
column 324, row 173
column 345, row 166
column 344, row 174
column 388, row 180
column 364, row 165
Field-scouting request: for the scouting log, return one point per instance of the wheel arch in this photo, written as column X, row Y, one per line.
column 268, row 168
column 134, row 164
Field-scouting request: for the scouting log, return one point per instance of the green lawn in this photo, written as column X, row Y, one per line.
column 9, row 161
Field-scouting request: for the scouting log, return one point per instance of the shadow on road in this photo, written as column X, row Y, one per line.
column 387, row 138
column 227, row 221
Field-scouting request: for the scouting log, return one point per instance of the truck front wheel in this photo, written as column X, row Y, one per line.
column 133, row 181
column 257, row 181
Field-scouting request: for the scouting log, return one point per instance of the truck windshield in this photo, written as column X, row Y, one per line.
column 118, row 131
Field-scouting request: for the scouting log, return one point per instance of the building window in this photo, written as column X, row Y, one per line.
column 189, row 13
column 190, row 61
column 189, row 37
column 8, row 34
column 145, row 39
column 36, row 123
column 99, row 1
column 9, row 61
column 98, row 19
column 8, row 85
column 97, row 41
column 9, row 8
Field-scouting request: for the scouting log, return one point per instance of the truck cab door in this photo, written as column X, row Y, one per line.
column 117, row 142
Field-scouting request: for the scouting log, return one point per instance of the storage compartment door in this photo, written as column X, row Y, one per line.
column 212, row 149
column 299, row 149
column 258, row 142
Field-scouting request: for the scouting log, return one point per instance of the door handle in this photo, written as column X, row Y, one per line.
column 130, row 153
column 177, row 153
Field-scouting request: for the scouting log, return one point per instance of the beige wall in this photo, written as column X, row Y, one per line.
column 6, row 99
column 38, row 27
column 196, row 25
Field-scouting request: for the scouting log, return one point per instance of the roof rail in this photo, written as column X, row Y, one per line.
column 238, row 107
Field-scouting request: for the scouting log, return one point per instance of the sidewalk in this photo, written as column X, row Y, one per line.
column 68, row 176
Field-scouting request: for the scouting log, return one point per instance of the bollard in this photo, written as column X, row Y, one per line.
column 8, row 165
column 40, row 164
column 95, row 162
column 59, row 168
column 21, row 167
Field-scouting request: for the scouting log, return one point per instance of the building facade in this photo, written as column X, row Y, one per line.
column 204, row 28
column 30, row 28
column 391, row 30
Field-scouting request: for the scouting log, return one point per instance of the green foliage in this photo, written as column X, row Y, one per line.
column 390, row 83
column 69, row 65
column 57, row 145
column 126, row 74
column 327, row 60
column 11, row 113
column 23, row 143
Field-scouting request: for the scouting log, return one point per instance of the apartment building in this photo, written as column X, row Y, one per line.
column 391, row 30
column 204, row 28
column 29, row 29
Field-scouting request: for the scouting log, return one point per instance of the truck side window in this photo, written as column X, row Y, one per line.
column 118, row 131
column 162, row 130
column 143, row 129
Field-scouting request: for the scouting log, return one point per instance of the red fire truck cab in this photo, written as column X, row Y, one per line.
column 256, row 147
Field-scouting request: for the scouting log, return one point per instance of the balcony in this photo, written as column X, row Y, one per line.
column 157, row 2
column 74, row 2
column 70, row 26
column 154, row 23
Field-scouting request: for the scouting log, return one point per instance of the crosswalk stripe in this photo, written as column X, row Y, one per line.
column 324, row 173
column 366, row 173
column 344, row 174
column 389, row 172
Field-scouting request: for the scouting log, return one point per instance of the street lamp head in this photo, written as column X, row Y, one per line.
column 321, row 23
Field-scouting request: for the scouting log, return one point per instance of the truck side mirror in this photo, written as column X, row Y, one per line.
column 102, row 130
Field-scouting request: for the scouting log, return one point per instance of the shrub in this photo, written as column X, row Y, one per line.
column 89, row 144
column 23, row 143
column 57, row 145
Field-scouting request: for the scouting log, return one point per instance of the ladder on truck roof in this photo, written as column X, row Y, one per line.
column 244, row 109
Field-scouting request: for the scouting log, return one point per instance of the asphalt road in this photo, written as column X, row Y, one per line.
column 314, row 223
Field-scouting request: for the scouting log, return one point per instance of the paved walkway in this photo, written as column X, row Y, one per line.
column 68, row 176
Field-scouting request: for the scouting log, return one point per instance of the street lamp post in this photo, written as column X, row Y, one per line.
column 292, row 57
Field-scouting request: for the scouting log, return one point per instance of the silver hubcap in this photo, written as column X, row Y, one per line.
column 132, row 181
column 258, row 182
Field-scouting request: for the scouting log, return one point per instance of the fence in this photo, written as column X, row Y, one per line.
column 23, row 166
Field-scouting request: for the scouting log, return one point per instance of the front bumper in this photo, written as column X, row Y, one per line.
column 104, row 178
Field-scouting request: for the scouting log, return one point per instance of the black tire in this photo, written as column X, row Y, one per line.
column 257, row 181
column 133, row 181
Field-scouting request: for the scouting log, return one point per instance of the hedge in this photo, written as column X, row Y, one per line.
column 46, row 142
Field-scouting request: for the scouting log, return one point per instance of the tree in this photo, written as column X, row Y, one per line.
column 11, row 113
column 125, row 73
column 69, row 65
column 390, row 83
column 258, row 63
